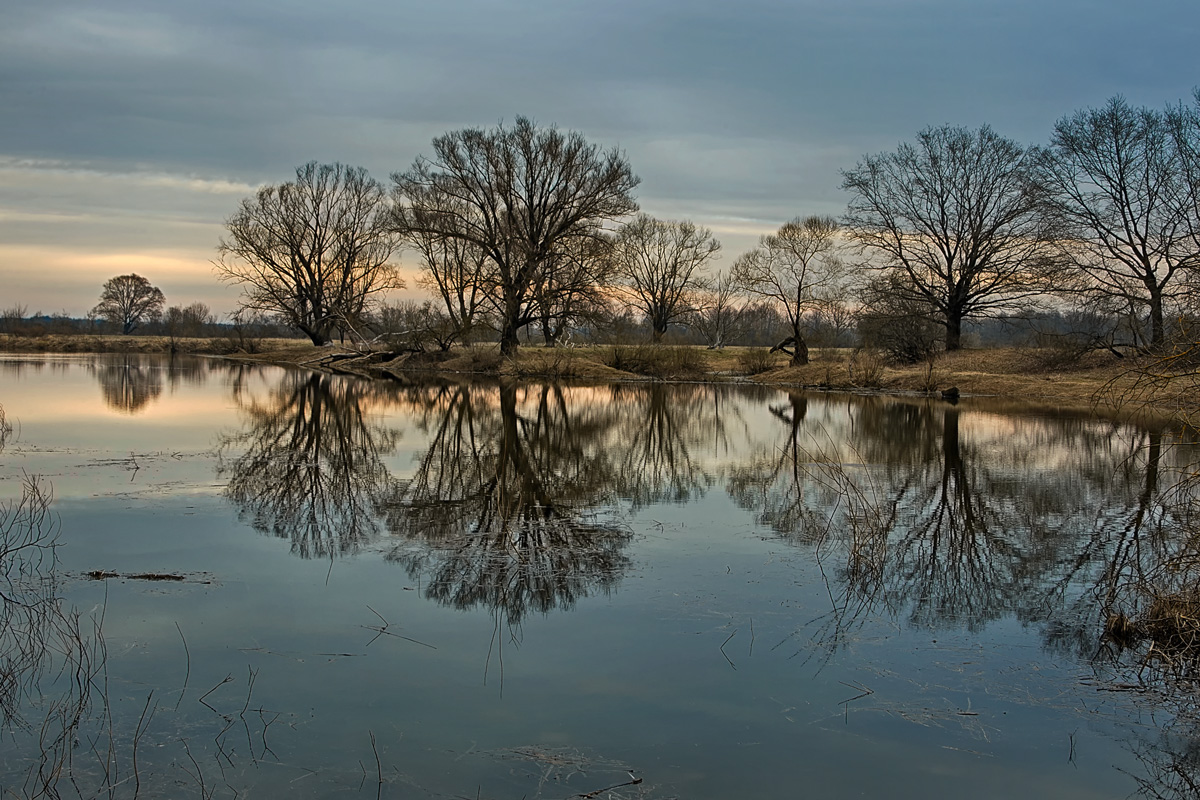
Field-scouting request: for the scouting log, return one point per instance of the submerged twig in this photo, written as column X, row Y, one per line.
column 188, row 671
column 722, row 648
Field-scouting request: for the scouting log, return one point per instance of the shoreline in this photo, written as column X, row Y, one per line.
column 1096, row 383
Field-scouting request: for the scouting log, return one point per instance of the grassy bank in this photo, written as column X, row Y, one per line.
column 103, row 343
column 1098, row 381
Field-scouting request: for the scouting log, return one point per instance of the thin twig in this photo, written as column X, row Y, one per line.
column 735, row 630
column 378, row 766
column 188, row 673
column 224, row 681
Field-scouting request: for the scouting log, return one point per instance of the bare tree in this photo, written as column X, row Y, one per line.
column 413, row 326
column 520, row 195
column 572, row 288
column 1184, row 124
column 721, row 319
column 189, row 321
column 314, row 251
column 958, row 214
column 798, row 269
column 460, row 273
column 895, row 319
column 11, row 318
column 129, row 301
column 660, row 265
column 1117, row 186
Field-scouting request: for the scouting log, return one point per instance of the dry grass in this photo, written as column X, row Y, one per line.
column 1172, row 623
column 1168, row 626
column 657, row 361
column 68, row 343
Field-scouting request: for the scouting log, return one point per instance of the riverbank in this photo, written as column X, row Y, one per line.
column 1097, row 381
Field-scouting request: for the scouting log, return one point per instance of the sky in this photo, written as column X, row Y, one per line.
column 131, row 129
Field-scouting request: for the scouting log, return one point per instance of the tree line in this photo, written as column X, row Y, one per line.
column 530, row 231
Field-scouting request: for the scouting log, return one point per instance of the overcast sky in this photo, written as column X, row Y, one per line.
column 131, row 129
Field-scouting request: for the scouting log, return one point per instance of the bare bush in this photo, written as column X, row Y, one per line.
column 655, row 360
column 866, row 368
column 755, row 360
column 412, row 326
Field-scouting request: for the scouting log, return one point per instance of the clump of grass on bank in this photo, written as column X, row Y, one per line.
column 1168, row 626
column 656, row 361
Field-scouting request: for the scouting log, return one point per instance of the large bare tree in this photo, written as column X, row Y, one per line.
column 128, row 301
column 1117, row 185
column 958, row 213
column 798, row 269
column 661, row 267
column 520, row 194
column 316, row 251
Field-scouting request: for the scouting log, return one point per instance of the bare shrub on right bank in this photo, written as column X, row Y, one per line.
column 5, row 428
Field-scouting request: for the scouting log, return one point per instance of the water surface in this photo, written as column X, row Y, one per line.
column 529, row 590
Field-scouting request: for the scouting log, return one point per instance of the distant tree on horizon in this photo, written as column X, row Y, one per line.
column 129, row 301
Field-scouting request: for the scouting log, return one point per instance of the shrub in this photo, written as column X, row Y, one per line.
column 755, row 360
column 655, row 361
column 866, row 368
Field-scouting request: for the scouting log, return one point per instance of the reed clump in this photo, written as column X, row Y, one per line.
column 1172, row 624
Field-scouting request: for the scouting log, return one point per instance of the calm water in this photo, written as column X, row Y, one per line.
column 540, row 591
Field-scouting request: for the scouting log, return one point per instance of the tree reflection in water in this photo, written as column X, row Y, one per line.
column 309, row 466
column 956, row 529
column 504, row 510
column 129, row 382
column 955, row 518
column 944, row 516
column 514, row 505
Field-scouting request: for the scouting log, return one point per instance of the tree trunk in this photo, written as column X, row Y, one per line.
column 953, row 332
column 318, row 336
column 1157, row 334
column 509, row 328
column 549, row 334
column 800, row 348
column 800, row 354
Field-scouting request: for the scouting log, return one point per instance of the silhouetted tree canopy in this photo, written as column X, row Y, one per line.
column 521, row 196
column 315, row 251
column 129, row 301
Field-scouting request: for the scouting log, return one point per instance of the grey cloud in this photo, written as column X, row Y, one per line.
column 728, row 111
